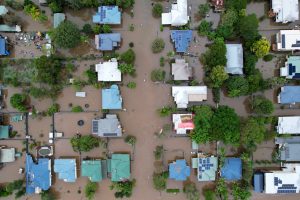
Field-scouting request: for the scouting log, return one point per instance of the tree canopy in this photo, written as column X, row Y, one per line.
column 123, row 189
column 261, row 47
column 191, row 191
column 248, row 27
column 90, row 190
column 216, row 55
column 261, row 105
column 84, row 143
column 157, row 10
column 217, row 76
column 66, row 35
column 18, row 101
column 237, row 86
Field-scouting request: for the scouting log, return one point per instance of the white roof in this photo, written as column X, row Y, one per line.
column 234, row 55
column 286, row 10
column 178, row 15
column 80, row 94
column 181, row 70
column 185, row 94
column 179, row 120
column 108, row 71
column 7, row 155
column 289, row 125
column 288, row 40
column 3, row 10
column 289, row 175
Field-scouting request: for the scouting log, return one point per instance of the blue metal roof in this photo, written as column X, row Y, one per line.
column 289, row 95
column 258, row 182
column 111, row 98
column 182, row 39
column 3, row 50
column 108, row 41
column 107, row 15
column 38, row 175
column 232, row 169
column 179, row 170
column 66, row 169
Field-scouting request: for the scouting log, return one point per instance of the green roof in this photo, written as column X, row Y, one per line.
column 92, row 169
column 4, row 132
column 120, row 167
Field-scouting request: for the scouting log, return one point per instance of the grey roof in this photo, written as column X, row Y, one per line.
column 181, row 70
column 107, row 127
column 289, row 148
column 234, row 55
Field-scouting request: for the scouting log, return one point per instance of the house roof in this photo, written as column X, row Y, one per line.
column 285, row 181
column 4, row 132
column 232, row 169
column 6, row 28
column 58, row 18
column 3, row 50
column 185, row 94
column 120, row 167
column 3, row 10
column 183, row 123
column 289, row 148
column 288, row 125
column 107, row 15
column 286, row 10
column 288, row 40
column 92, row 169
column 109, row 71
column 289, row 95
column 66, row 169
column 179, row 170
column 107, row 127
column 207, row 168
column 291, row 70
column 107, row 41
column 258, row 182
column 178, row 16
column 182, row 39
column 38, row 175
column 234, row 56
column 181, row 70
column 7, row 155
column 111, row 98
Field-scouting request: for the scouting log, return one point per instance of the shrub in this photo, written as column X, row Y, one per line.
column 18, row 101
column 84, row 143
column 158, row 75
column 268, row 57
column 173, row 191
column 131, row 85
column 53, row 109
column 160, row 181
column 126, row 68
column 203, row 9
column 87, row 29
column 261, row 105
column 131, row 44
column 90, row 190
column 158, row 45
column 162, row 61
column 157, row 10
column 77, row 109
column 123, row 189
column 106, row 28
column 131, row 27
column 191, row 191
column 159, row 150
column 130, row 139
column 128, row 56
column 97, row 29
column 204, row 28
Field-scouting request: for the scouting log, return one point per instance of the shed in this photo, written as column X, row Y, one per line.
column 234, row 56
column 4, row 132
column 120, row 167
column 111, row 98
column 66, row 169
column 179, row 170
column 258, row 182
column 58, row 18
column 232, row 169
column 7, row 155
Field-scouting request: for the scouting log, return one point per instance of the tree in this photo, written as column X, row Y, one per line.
column 248, row 27
column 126, row 68
column 261, row 105
column 124, row 3
column 204, row 28
column 96, row 29
column 158, row 75
column 203, row 9
column 191, row 191
column 123, row 189
column 158, row 45
column 255, row 82
column 160, row 181
column 157, row 10
column 250, row 60
column 87, row 29
column 90, row 190
column 53, row 109
column 240, row 192
column 217, row 76
column 216, row 55
column 106, row 28
column 237, row 86
column 130, row 139
column 225, row 125
column 225, row 32
column 128, row 56
column 229, row 18
column 237, row 5
column 77, row 109
column 261, row 47
column 66, row 35
column 221, row 189
column 84, row 143
column 18, row 101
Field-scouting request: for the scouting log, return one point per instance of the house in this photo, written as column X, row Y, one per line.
column 58, row 18
column 287, row 40
column 218, row 5
column 107, row 41
column 181, row 70
column 288, row 148
column 107, row 15
column 289, row 95
column 4, row 132
column 185, row 94
column 181, row 39
column 258, row 182
column 183, row 123
column 107, row 127
column 283, row 181
column 206, row 167
column 119, row 167
column 111, row 98
column 234, row 56
column 291, row 70
column 66, row 169
column 3, row 47
column 95, row 170
column 288, row 125
column 285, row 11
column 38, row 175
column 178, row 16
column 7, row 155
column 108, row 71
column 179, row 170
column 232, row 169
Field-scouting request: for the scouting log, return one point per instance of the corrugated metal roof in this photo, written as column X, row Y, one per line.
column 182, row 39
column 289, row 95
column 107, row 15
column 66, row 169
column 111, row 98
column 92, row 169
column 120, row 167
column 179, row 170
column 232, row 169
